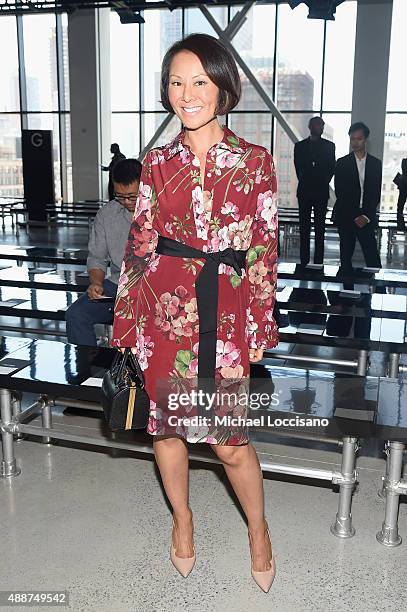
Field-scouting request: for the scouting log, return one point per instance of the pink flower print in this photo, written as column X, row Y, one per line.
column 267, row 209
column 157, row 157
column 227, row 354
column 227, row 159
column 143, row 200
column 214, row 243
column 224, row 238
column 193, row 368
column 182, row 294
column 191, row 311
column 152, row 264
column 230, row 209
column 123, row 280
column 144, row 242
column 184, row 156
column 257, row 272
column 144, row 347
column 264, row 292
column 169, row 228
column 228, row 372
column 199, row 213
column 170, row 302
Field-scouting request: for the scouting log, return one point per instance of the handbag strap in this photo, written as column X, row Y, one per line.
column 127, row 359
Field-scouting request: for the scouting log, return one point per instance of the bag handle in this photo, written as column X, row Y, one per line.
column 128, row 356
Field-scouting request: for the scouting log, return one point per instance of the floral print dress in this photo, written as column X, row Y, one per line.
column 156, row 307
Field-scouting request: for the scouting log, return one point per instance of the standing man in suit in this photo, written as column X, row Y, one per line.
column 314, row 160
column 358, row 183
column 117, row 156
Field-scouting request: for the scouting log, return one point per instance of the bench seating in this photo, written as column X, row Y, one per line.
column 352, row 407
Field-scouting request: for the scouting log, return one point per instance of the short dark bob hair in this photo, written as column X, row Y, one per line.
column 359, row 126
column 218, row 63
column 126, row 171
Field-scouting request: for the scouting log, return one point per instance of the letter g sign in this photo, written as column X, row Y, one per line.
column 37, row 140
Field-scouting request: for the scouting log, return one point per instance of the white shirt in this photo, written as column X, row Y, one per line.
column 361, row 164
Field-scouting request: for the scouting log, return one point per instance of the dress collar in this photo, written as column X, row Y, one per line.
column 230, row 142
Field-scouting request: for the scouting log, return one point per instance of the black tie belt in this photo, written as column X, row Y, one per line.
column 206, row 288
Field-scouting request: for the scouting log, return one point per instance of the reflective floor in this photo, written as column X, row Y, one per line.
column 95, row 522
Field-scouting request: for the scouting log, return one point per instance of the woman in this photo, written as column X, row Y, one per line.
column 207, row 191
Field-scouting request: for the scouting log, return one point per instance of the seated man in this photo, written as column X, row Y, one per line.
column 107, row 243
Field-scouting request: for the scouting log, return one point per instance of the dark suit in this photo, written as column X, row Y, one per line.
column 315, row 165
column 116, row 157
column 347, row 208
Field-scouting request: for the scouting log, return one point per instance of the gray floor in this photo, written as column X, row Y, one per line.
column 95, row 523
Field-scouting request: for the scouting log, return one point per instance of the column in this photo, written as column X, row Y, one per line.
column 89, row 74
column 372, row 49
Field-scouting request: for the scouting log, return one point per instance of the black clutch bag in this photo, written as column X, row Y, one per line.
column 125, row 402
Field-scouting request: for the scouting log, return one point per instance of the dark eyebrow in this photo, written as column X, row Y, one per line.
column 194, row 77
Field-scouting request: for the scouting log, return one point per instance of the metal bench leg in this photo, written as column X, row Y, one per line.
column 389, row 535
column 362, row 362
column 16, row 406
column 394, row 361
column 342, row 527
column 382, row 492
column 46, row 418
column 8, row 466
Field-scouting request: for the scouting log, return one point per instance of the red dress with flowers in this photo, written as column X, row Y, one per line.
column 156, row 308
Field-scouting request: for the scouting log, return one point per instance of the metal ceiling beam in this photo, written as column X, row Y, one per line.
column 233, row 28
column 20, row 7
column 252, row 78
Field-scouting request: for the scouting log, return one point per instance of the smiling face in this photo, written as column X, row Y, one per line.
column 192, row 95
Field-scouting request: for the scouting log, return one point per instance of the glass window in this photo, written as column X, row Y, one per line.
column 339, row 58
column 395, row 148
column 299, row 63
column 195, row 21
column 126, row 132
column 40, row 62
column 161, row 30
column 151, row 124
column 255, row 44
column 65, row 59
column 396, row 96
column 49, row 121
column 11, row 172
column 284, row 158
column 253, row 127
column 68, row 150
column 9, row 89
column 336, row 129
column 124, row 64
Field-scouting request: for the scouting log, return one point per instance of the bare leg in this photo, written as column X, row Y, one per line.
column 171, row 455
column 244, row 473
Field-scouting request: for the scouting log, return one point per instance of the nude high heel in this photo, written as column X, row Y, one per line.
column 264, row 579
column 183, row 564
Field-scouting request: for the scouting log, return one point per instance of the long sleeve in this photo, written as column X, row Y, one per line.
column 98, row 253
column 331, row 163
column 140, row 246
column 297, row 163
column 262, row 263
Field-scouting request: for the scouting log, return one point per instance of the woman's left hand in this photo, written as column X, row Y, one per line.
column 255, row 355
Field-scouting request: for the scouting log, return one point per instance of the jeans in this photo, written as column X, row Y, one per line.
column 83, row 314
